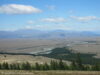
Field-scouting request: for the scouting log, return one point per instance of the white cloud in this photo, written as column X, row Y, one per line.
column 18, row 9
column 28, row 27
column 30, row 22
column 86, row 18
column 54, row 20
column 9, row 29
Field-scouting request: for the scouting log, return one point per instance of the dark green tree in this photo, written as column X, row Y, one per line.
column 73, row 65
column 26, row 66
column 79, row 62
column 61, row 65
column 96, row 67
column 0, row 66
column 45, row 66
column 5, row 65
column 54, row 65
column 37, row 66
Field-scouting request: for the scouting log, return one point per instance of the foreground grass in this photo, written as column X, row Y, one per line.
column 24, row 72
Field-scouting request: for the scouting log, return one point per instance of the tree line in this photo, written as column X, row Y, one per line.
column 53, row 65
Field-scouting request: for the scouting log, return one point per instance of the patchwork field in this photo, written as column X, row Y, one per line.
column 28, row 45
column 32, row 46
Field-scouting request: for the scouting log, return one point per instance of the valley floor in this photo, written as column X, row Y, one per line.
column 24, row 72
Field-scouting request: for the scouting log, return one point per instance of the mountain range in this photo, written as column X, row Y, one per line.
column 40, row 34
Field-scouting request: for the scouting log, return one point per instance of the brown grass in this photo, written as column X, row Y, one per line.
column 23, row 72
column 25, row 58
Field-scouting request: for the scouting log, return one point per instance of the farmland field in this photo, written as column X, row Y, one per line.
column 32, row 46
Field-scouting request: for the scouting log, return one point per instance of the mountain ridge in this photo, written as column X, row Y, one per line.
column 33, row 33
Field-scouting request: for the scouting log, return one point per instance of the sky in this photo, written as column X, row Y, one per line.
column 77, row 15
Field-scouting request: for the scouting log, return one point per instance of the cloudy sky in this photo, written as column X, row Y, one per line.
column 79, row 15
